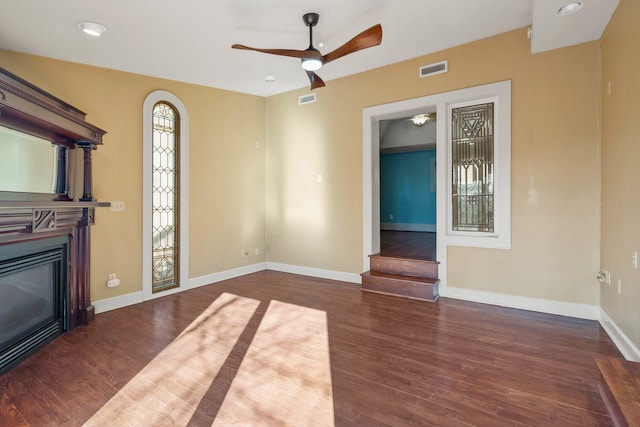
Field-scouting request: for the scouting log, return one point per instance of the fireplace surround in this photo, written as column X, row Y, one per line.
column 44, row 229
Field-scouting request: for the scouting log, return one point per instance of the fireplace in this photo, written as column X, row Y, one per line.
column 47, row 208
column 34, row 285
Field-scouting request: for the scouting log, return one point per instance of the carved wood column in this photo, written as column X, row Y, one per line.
column 86, row 312
column 87, row 190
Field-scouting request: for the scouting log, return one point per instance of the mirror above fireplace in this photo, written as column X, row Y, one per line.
column 40, row 137
column 18, row 149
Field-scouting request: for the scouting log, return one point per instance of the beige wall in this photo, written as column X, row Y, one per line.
column 236, row 188
column 555, row 167
column 620, row 156
column 226, row 173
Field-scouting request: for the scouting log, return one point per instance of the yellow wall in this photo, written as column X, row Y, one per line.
column 620, row 158
column 555, row 167
column 240, row 193
column 226, row 170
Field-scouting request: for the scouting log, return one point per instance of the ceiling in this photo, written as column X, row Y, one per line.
column 190, row 41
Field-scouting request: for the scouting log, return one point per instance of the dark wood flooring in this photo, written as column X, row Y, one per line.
column 393, row 361
column 408, row 244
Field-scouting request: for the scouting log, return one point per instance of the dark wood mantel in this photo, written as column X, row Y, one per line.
column 28, row 109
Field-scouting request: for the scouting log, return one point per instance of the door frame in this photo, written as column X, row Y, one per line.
column 371, row 117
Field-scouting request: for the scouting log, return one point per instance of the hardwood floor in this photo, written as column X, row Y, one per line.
column 376, row 360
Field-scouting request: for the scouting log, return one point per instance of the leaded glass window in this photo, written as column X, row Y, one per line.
column 472, row 160
column 165, row 197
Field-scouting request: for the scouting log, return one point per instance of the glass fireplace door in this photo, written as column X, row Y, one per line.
column 33, row 297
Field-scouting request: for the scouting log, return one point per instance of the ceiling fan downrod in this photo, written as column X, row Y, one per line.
column 313, row 60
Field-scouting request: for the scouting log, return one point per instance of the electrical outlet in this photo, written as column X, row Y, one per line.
column 257, row 251
column 113, row 281
column 116, row 206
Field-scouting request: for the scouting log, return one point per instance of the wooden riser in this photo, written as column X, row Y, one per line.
column 620, row 389
column 403, row 286
column 404, row 266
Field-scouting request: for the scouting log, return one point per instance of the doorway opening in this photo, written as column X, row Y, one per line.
column 408, row 186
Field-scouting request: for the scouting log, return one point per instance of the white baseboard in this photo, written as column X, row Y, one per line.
column 137, row 297
column 120, row 301
column 396, row 226
column 226, row 275
column 581, row 311
column 315, row 272
column 624, row 344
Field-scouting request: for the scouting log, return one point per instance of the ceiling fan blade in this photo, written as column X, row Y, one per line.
column 367, row 38
column 315, row 80
column 282, row 52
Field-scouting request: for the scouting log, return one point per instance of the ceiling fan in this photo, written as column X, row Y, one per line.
column 311, row 57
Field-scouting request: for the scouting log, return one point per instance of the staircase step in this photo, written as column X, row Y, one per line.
column 404, row 266
column 620, row 389
column 421, row 288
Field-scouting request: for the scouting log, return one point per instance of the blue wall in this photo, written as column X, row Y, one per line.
column 405, row 189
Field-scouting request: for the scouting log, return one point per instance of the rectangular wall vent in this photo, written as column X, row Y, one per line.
column 307, row 99
column 432, row 69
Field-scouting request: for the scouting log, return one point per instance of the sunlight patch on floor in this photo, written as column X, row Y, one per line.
column 285, row 377
column 168, row 390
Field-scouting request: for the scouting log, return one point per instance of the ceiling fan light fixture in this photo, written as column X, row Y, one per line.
column 311, row 64
column 569, row 9
column 92, row 28
column 421, row 119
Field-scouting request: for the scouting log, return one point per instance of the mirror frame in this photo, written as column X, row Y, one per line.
column 26, row 108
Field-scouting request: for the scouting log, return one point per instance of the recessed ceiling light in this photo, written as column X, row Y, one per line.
column 92, row 28
column 569, row 9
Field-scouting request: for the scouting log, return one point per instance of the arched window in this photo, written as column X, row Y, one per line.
column 164, row 195
column 165, row 203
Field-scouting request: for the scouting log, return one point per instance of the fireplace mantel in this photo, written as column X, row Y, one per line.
column 67, row 207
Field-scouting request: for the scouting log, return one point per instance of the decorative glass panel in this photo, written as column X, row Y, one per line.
column 165, row 198
column 472, row 159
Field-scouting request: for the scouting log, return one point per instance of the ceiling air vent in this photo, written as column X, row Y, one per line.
column 307, row 99
column 431, row 69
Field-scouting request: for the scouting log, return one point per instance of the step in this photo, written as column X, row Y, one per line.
column 425, row 289
column 404, row 266
column 620, row 389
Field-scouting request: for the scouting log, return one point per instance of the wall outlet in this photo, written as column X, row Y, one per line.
column 112, row 283
column 391, row 217
column 116, row 206
column 257, row 251
column 112, row 276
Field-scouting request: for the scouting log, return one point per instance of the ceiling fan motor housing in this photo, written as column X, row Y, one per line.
column 310, row 19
